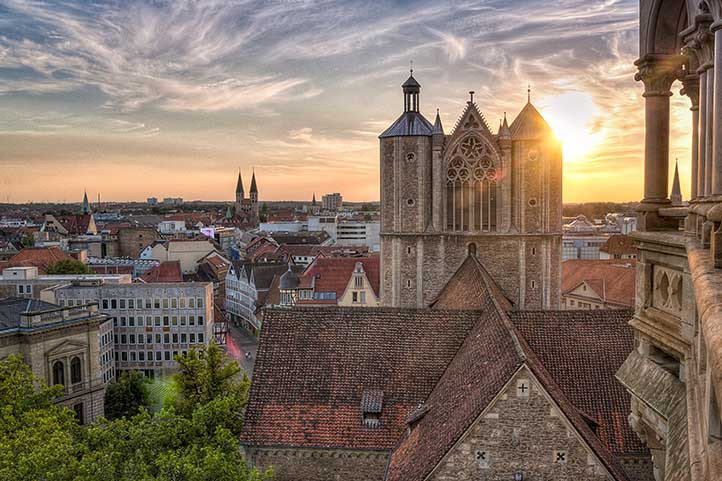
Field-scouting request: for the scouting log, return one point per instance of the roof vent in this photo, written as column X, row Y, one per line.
column 417, row 414
column 371, row 403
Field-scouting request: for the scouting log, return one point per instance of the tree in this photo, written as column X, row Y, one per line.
column 36, row 437
column 206, row 375
column 126, row 395
column 68, row 266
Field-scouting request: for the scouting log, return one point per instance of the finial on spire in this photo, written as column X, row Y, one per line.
column 528, row 93
column 411, row 67
column 471, row 96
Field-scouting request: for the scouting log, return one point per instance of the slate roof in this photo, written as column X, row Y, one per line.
column 409, row 123
column 76, row 224
column 12, row 307
column 313, row 365
column 529, row 124
column 613, row 280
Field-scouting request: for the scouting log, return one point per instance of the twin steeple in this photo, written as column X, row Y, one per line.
column 239, row 184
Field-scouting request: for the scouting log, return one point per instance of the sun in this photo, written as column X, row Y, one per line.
column 571, row 116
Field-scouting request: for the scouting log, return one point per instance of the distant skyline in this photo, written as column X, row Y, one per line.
column 169, row 98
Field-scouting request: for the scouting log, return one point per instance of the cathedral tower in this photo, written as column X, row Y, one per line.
column 496, row 196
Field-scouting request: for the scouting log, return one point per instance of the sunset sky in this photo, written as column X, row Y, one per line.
column 168, row 98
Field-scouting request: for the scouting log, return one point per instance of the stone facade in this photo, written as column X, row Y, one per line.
column 132, row 240
column 496, row 194
column 293, row 464
column 522, row 431
column 68, row 346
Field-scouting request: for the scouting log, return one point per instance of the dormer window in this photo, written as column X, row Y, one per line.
column 371, row 404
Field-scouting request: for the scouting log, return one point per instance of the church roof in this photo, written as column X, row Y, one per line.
column 438, row 128
column 470, row 119
column 529, row 124
column 409, row 123
column 411, row 82
column 239, row 184
column 254, row 189
column 339, row 353
column 469, row 288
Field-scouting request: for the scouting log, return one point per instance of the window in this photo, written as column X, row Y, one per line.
column 192, row 337
column 114, row 303
column 149, row 338
column 408, row 282
column 200, row 337
column 158, row 356
column 184, row 338
column 123, row 339
column 472, row 249
column 200, row 320
column 165, row 303
column 175, row 338
column 132, row 356
column 157, row 320
column 167, row 355
column 354, row 297
column 21, row 289
column 131, row 303
column 408, row 250
column 174, row 303
column 78, row 409
column 158, row 339
column 191, row 303
column 122, row 303
column 174, row 320
column 358, row 282
column 132, row 338
column 75, row 370
column 182, row 302
column 199, row 302
column 105, row 303
column 141, row 356
column 123, row 356
column 471, row 182
column 131, row 321
column 166, row 320
column 191, row 320
column 156, row 303
column 122, row 321
column 362, row 296
column 166, row 338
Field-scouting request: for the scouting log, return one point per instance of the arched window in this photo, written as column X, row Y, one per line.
column 471, row 181
column 58, row 372
column 472, row 249
column 75, row 371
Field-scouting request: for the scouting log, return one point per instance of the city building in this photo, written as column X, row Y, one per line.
column 674, row 372
column 121, row 265
column 172, row 227
column 172, row 201
column 470, row 388
column 188, row 252
column 152, row 323
column 40, row 257
column 618, row 246
column 343, row 281
column 152, row 201
column 71, row 346
column 331, row 202
column 598, row 284
column 28, row 282
column 582, row 245
column 359, row 233
column 132, row 240
column 443, row 196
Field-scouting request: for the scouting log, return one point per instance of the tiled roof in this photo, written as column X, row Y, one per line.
column 168, row 271
column 613, row 280
column 332, row 274
column 619, row 244
column 468, row 288
column 583, row 350
column 12, row 307
column 314, row 364
column 40, row 257
column 75, row 224
column 409, row 123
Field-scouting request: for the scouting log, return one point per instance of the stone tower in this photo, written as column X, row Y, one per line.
column 239, row 191
column 496, row 196
column 247, row 208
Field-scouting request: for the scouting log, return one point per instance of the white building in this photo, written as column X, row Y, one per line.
column 152, row 323
column 27, row 283
column 172, row 227
column 359, row 233
column 582, row 245
column 332, row 202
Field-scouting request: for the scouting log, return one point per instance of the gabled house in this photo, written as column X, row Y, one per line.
column 598, row 284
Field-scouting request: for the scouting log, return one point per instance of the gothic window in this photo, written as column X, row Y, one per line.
column 471, row 180
column 58, row 372
column 472, row 249
column 75, row 370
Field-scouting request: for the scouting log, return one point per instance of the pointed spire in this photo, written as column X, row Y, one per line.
column 504, row 131
column 86, row 205
column 239, row 184
column 229, row 213
column 676, row 196
column 254, row 189
column 313, row 202
column 438, row 128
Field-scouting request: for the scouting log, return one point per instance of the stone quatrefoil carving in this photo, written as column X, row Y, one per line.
column 667, row 293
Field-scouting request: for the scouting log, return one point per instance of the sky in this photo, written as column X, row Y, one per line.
column 131, row 99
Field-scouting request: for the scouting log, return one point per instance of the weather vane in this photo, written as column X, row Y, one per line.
column 411, row 66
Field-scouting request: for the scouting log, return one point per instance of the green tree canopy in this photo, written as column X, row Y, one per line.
column 69, row 266
column 126, row 395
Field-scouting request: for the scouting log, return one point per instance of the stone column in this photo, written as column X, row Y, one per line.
column 658, row 72
column 708, row 137
column 691, row 89
column 717, row 115
column 702, row 134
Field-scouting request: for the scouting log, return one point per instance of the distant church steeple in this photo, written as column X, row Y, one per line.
column 85, row 209
column 239, row 184
column 676, row 195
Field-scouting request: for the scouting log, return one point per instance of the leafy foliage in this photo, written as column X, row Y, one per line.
column 41, row 441
column 126, row 396
column 69, row 266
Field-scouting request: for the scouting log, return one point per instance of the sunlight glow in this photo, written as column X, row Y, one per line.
column 572, row 116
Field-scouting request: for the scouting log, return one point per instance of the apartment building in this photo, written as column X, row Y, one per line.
column 152, row 323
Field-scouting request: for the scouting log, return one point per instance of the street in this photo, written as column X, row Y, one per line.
column 238, row 343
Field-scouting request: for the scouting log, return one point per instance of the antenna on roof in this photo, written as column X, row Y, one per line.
column 471, row 96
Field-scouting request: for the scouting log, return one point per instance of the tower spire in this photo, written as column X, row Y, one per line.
column 86, row 205
column 239, row 184
column 676, row 195
column 411, row 90
column 254, row 188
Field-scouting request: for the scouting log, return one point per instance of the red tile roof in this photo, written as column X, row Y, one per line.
column 332, row 274
column 468, row 288
column 168, row 271
column 569, row 344
column 40, row 257
column 75, row 224
column 619, row 244
column 314, row 364
column 613, row 280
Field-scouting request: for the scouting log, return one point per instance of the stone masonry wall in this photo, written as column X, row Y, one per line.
column 521, row 432
column 300, row 464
